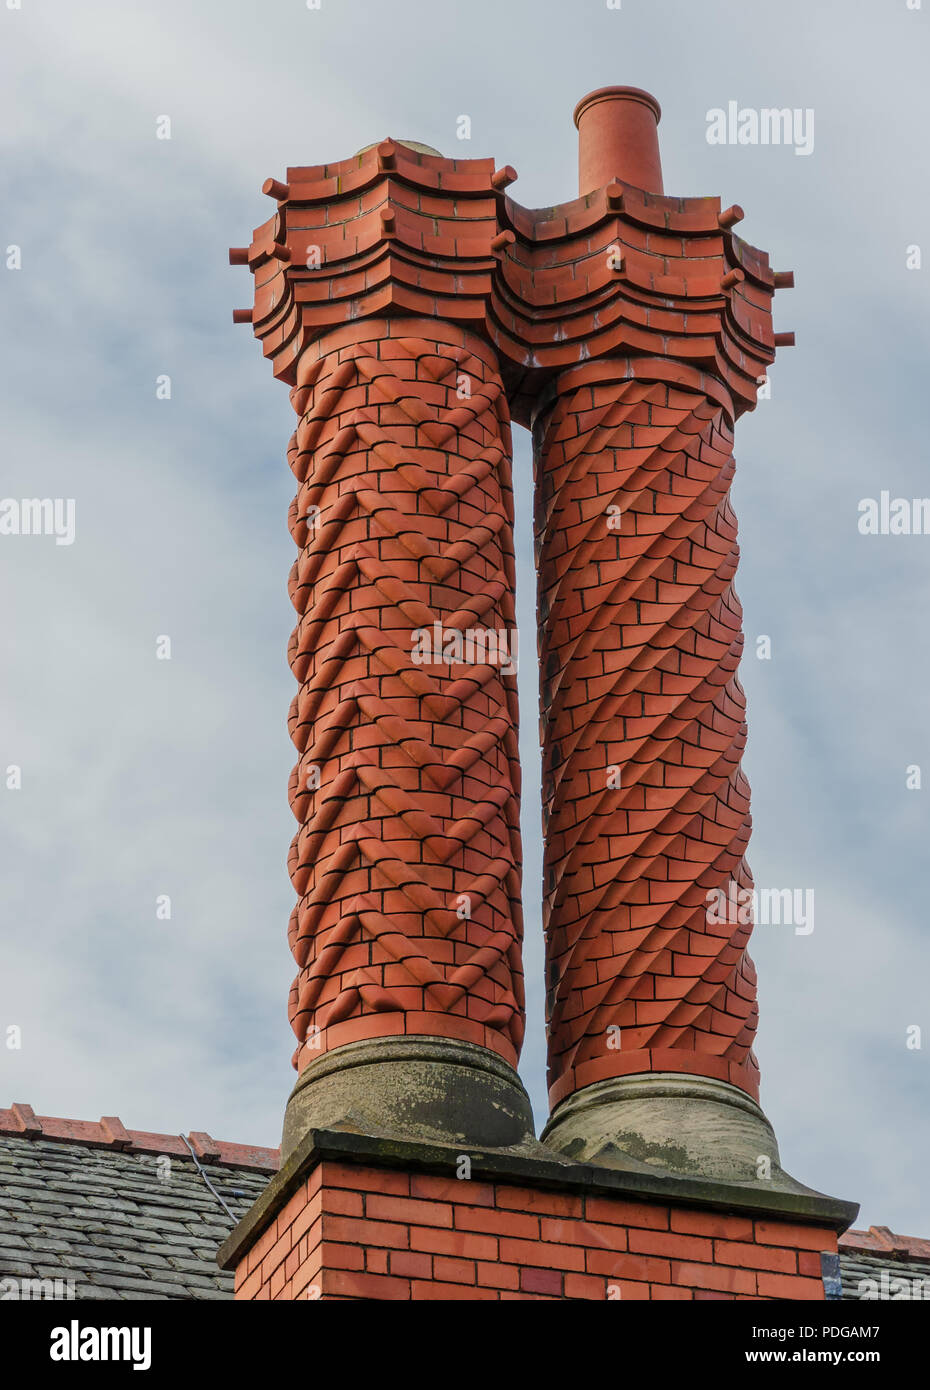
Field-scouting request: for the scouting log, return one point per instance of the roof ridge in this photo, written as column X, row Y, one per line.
column 109, row 1132
column 879, row 1240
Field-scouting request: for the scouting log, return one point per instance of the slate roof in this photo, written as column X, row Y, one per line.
column 878, row 1263
column 134, row 1215
column 123, row 1214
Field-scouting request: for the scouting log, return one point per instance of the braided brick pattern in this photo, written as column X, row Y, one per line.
column 399, row 243
column 640, row 639
column 407, row 860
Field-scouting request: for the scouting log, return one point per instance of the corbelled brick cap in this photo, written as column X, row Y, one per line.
column 393, row 231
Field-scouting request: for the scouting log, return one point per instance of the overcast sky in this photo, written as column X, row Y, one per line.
column 143, row 777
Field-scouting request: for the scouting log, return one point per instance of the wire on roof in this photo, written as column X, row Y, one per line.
column 232, row 1216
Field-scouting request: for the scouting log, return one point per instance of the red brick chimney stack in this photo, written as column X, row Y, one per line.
column 406, row 862
column 414, row 307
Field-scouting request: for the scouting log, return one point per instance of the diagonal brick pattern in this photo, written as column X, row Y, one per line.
column 406, row 790
column 645, row 806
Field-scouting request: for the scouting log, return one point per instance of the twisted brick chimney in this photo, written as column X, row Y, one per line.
column 406, row 862
column 651, row 1007
column 413, row 308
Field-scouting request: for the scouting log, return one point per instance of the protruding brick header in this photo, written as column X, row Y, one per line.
column 109, row 1132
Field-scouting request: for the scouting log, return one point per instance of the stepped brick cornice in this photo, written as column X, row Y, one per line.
column 619, row 271
column 391, row 231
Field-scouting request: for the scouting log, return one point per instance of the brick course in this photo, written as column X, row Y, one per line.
column 424, row 1236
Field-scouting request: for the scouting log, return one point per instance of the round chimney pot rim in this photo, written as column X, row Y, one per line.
column 614, row 94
